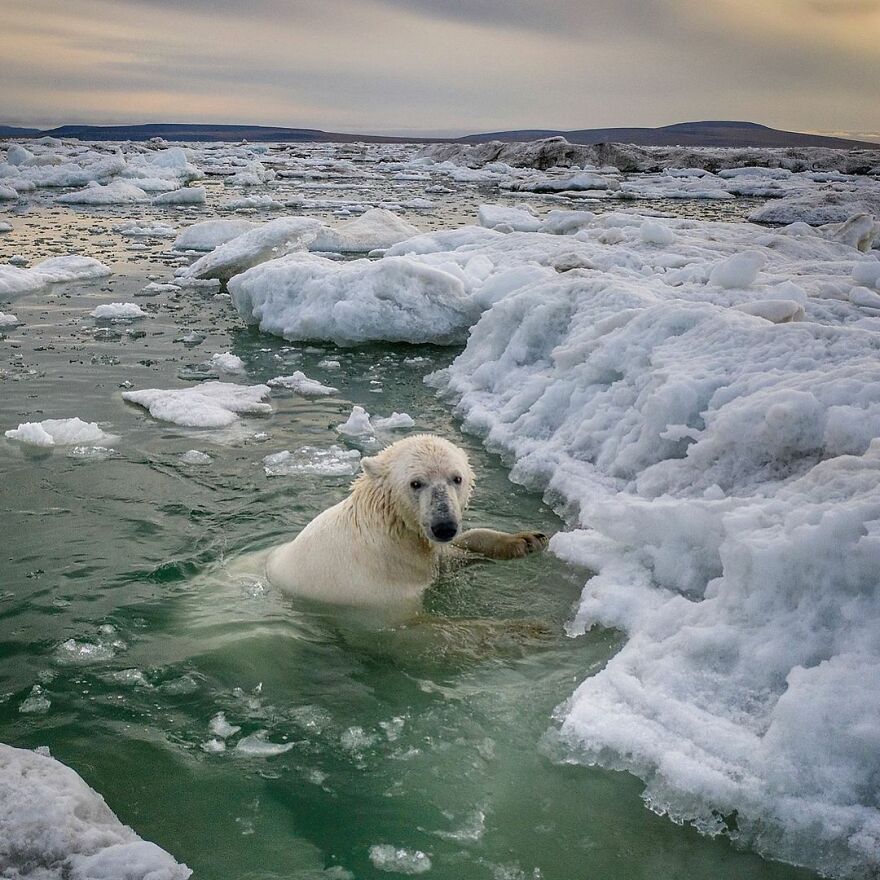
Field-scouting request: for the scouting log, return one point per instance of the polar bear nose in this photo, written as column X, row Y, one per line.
column 445, row 530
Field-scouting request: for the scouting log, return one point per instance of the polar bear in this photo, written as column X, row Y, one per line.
column 385, row 543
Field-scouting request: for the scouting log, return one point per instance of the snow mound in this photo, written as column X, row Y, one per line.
column 60, row 432
column 209, row 234
column 374, row 229
column 266, row 242
column 209, row 405
column 721, row 472
column 54, row 827
column 398, row 299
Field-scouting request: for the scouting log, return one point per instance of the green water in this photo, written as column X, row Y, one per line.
column 427, row 738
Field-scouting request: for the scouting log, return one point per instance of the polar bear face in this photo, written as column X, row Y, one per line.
column 427, row 482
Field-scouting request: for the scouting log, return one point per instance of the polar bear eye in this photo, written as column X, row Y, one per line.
column 457, row 480
column 416, row 484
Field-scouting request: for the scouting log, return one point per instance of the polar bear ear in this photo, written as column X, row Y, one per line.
column 372, row 467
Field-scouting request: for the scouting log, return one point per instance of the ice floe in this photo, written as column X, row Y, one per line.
column 271, row 240
column 302, row 384
column 118, row 312
column 54, row 270
column 208, row 405
column 209, row 234
column 376, row 228
column 60, row 432
column 333, row 461
column 54, row 827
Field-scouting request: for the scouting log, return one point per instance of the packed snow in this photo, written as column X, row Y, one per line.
column 54, row 827
column 707, row 411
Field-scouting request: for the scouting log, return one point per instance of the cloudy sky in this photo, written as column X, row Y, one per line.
column 442, row 66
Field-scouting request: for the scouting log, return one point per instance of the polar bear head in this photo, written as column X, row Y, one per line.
column 424, row 482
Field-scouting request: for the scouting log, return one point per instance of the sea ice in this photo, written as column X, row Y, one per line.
column 208, row 405
column 302, row 384
column 303, row 296
column 54, row 827
column 50, row 271
column 209, row 234
column 273, row 239
column 60, row 432
column 376, row 228
column 396, row 860
column 331, row 462
column 117, row 192
column 118, row 312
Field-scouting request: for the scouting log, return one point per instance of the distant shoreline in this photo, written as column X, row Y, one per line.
column 686, row 134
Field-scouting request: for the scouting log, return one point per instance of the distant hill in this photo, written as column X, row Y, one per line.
column 685, row 134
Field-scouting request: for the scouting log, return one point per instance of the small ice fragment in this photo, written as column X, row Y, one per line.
column 395, row 420
column 257, row 746
column 219, row 726
column 194, row 456
column 387, row 857
column 357, row 424
column 118, row 312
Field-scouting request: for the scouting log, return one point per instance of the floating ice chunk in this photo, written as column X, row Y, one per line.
column 209, row 405
column 53, row 825
column 376, row 228
column 36, row 703
column 738, row 271
column 91, row 453
column 195, row 456
column 387, row 857
column 395, row 420
column 209, row 234
column 506, row 219
column 118, row 312
column 266, row 242
column 117, row 192
column 814, row 207
column 257, row 746
column 188, row 195
column 213, row 746
column 397, row 299
column 8, row 320
column 331, row 462
column 5, row 227
column 53, row 270
column 219, row 726
column 227, row 362
column 777, row 311
column 60, row 432
column 357, row 424
column 82, row 653
column 7, row 193
column 660, row 234
column 577, row 182
column 302, row 384
column 136, row 229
